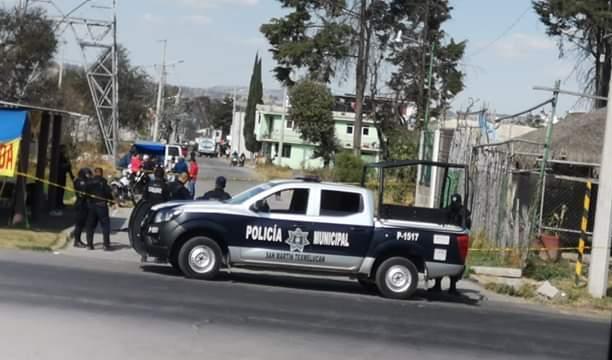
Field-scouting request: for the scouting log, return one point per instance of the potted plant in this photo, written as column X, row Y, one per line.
column 550, row 238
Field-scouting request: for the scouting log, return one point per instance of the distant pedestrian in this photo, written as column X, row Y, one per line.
column 101, row 195
column 147, row 163
column 219, row 192
column 80, row 185
column 193, row 176
column 181, row 166
column 135, row 163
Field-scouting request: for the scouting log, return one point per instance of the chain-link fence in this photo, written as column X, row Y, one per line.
column 562, row 207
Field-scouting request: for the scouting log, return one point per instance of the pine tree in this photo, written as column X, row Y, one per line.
column 255, row 97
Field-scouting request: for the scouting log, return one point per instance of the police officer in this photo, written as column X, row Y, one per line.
column 219, row 192
column 101, row 195
column 80, row 185
column 157, row 190
column 177, row 189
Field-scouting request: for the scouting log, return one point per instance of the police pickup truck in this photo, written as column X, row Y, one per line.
column 307, row 226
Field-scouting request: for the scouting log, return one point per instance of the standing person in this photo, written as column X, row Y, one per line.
column 147, row 163
column 80, row 185
column 157, row 190
column 219, row 192
column 101, row 195
column 135, row 163
column 65, row 168
column 181, row 166
column 177, row 189
column 193, row 176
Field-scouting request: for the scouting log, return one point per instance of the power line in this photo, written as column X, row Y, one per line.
column 504, row 33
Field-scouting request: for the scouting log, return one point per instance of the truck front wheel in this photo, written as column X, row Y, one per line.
column 200, row 258
column 397, row 278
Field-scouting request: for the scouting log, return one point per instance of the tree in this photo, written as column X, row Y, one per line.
column 421, row 45
column 27, row 46
column 311, row 110
column 221, row 114
column 255, row 98
column 582, row 27
column 323, row 36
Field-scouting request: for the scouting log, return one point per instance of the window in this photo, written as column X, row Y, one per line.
column 173, row 151
column 286, row 151
column 340, row 203
column 290, row 201
column 366, row 131
column 290, row 124
column 349, row 129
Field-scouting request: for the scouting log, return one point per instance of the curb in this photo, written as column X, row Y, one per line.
column 62, row 239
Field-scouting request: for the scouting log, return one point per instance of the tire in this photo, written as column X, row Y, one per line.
column 397, row 278
column 175, row 265
column 200, row 258
column 134, row 234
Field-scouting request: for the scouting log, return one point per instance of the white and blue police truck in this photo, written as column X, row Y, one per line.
column 307, row 226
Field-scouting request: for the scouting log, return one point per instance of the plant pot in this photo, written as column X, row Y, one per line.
column 551, row 244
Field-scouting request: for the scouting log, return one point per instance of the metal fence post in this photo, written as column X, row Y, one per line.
column 583, row 230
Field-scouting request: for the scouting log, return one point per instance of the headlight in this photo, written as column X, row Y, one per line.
column 166, row 215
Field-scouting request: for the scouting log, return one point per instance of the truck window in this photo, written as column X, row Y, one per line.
column 340, row 203
column 289, row 201
column 173, row 151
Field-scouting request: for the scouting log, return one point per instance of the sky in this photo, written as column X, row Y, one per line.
column 507, row 54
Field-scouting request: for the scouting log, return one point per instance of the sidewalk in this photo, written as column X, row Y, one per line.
column 120, row 243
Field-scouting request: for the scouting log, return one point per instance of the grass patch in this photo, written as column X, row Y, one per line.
column 525, row 290
column 484, row 253
column 28, row 240
column 272, row 172
column 540, row 270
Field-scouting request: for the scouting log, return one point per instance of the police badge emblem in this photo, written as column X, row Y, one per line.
column 297, row 240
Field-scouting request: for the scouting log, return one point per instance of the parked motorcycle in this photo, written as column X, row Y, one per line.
column 242, row 160
column 122, row 188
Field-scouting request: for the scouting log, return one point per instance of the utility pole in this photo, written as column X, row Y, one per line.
column 361, row 77
column 160, row 92
column 600, row 251
column 239, row 120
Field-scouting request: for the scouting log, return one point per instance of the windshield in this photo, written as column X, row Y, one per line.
column 245, row 195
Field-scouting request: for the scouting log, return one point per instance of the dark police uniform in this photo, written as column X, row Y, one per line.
column 217, row 194
column 157, row 192
column 98, row 210
column 80, row 185
column 178, row 191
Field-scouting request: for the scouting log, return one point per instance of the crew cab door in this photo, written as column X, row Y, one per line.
column 342, row 227
column 280, row 227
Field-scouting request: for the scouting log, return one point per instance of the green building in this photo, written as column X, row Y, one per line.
column 297, row 153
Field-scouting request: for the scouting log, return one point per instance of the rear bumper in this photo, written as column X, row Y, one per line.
column 436, row 269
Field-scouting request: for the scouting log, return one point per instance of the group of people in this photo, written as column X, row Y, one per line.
column 93, row 196
column 187, row 172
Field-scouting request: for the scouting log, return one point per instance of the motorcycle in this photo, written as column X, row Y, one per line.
column 122, row 188
column 242, row 160
column 234, row 161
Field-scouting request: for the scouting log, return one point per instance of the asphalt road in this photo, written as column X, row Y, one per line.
column 66, row 307
column 238, row 178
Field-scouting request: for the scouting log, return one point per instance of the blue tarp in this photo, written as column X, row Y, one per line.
column 11, row 124
column 149, row 147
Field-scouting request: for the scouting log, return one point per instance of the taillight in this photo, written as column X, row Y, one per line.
column 463, row 244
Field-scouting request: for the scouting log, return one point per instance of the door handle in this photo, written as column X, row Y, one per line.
column 358, row 229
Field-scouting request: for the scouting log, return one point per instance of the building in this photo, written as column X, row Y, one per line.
column 297, row 153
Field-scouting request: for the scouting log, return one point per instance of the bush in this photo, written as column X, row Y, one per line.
column 540, row 270
column 348, row 167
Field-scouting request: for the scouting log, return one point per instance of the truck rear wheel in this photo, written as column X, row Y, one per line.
column 397, row 278
column 200, row 258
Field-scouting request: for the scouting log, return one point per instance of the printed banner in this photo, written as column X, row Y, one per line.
column 9, row 156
